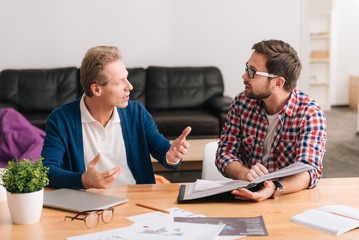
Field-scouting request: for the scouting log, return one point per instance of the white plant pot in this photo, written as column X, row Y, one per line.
column 2, row 192
column 25, row 208
column 2, row 189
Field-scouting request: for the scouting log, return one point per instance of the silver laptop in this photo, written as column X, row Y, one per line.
column 79, row 200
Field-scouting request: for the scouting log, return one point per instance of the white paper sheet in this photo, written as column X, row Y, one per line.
column 201, row 184
column 153, row 216
column 158, row 230
column 103, row 235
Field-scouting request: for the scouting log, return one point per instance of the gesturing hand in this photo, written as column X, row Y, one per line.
column 93, row 178
column 179, row 148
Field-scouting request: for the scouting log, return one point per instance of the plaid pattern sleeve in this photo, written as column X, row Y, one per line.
column 311, row 143
column 300, row 135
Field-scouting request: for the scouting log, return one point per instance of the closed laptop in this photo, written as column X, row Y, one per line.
column 80, row 200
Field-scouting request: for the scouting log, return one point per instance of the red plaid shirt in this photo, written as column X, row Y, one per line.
column 300, row 135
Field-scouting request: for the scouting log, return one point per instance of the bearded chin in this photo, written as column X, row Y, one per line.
column 259, row 96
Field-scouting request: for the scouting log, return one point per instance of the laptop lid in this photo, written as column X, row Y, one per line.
column 79, row 200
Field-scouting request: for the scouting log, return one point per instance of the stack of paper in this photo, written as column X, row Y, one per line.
column 181, row 224
column 158, row 225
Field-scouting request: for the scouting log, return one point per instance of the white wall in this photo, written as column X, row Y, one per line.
column 346, row 48
column 57, row 33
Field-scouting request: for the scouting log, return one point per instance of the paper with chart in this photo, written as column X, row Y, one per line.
column 250, row 226
column 158, row 230
column 174, row 212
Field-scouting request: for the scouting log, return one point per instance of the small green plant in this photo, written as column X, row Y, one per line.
column 25, row 176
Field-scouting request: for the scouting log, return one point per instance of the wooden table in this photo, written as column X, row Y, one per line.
column 192, row 160
column 276, row 212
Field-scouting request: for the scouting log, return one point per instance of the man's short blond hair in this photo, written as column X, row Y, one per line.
column 93, row 64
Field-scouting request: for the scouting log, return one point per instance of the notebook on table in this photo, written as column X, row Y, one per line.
column 80, row 200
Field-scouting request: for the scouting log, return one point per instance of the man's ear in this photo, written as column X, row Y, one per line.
column 95, row 89
column 279, row 82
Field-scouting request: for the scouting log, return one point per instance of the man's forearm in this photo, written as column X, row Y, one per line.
column 236, row 170
column 295, row 182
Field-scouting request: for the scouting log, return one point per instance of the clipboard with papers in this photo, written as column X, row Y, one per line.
column 205, row 188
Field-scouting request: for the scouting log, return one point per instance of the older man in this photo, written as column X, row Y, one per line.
column 103, row 138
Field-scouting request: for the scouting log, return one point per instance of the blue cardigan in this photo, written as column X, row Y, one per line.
column 63, row 145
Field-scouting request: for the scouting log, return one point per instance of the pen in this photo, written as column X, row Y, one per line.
column 153, row 208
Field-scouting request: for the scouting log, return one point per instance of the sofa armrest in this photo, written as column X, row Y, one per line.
column 219, row 104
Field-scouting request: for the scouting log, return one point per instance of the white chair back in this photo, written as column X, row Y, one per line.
column 209, row 169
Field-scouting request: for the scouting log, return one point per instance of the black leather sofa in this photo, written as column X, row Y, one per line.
column 175, row 96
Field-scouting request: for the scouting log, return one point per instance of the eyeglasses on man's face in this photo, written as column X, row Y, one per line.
column 92, row 217
column 251, row 73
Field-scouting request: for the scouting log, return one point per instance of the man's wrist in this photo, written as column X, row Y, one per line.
column 83, row 181
column 236, row 170
column 278, row 189
column 173, row 163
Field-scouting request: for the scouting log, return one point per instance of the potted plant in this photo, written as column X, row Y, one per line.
column 24, row 182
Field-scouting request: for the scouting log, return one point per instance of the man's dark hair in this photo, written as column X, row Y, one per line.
column 282, row 60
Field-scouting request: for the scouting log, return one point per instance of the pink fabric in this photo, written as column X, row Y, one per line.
column 18, row 138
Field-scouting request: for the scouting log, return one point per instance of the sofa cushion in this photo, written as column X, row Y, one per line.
column 37, row 119
column 39, row 90
column 137, row 77
column 171, row 123
column 182, row 87
column 8, row 105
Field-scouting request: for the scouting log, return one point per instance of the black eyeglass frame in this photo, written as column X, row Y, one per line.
column 87, row 213
column 251, row 71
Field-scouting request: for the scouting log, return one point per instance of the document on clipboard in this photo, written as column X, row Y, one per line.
column 205, row 188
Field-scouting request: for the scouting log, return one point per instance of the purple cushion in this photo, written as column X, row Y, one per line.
column 18, row 138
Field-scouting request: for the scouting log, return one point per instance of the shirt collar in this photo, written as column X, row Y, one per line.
column 115, row 116
column 86, row 116
column 289, row 108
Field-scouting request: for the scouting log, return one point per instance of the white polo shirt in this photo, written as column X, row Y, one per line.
column 105, row 140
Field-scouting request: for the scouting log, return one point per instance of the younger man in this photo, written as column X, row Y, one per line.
column 272, row 125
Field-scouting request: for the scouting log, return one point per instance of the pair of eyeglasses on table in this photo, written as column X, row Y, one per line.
column 92, row 217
